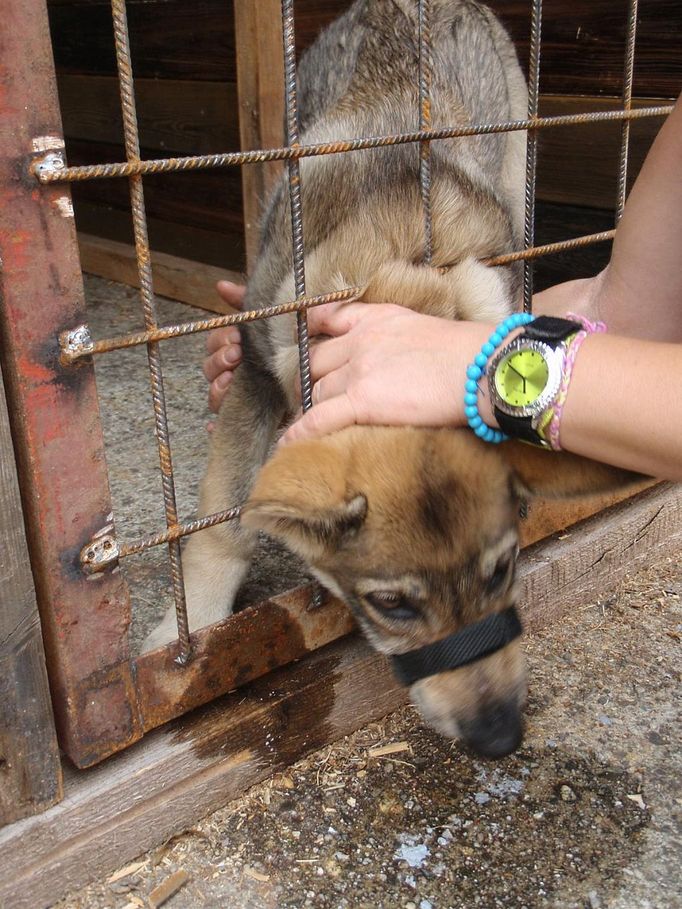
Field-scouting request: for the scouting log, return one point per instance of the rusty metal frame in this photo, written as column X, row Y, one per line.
column 105, row 698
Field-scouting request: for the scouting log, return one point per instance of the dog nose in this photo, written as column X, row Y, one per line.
column 496, row 731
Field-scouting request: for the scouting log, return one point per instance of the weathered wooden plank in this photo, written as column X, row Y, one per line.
column 583, row 45
column 174, row 116
column 221, row 249
column 582, row 52
column 581, row 564
column 30, row 772
column 210, row 200
column 578, row 165
column 174, row 277
column 260, row 69
column 181, row 772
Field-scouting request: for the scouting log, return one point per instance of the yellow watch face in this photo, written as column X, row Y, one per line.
column 521, row 377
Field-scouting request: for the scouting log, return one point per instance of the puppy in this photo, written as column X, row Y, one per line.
column 416, row 530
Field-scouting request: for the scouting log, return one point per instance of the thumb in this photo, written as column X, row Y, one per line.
column 325, row 417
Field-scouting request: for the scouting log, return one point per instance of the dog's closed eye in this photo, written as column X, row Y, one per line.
column 393, row 604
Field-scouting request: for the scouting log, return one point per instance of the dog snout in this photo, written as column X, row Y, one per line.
column 495, row 731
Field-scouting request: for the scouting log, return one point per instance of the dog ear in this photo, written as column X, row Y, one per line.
column 559, row 474
column 300, row 497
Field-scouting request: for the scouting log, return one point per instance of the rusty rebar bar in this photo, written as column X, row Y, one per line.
column 294, row 180
column 628, row 73
column 144, row 267
column 531, row 150
column 47, row 174
column 177, row 531
column 77, row 343
column 425, row 66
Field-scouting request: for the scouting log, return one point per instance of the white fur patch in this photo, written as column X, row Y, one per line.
column 481, row 291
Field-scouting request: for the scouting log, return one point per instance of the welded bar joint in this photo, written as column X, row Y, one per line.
column 48, row 167
column 74, row 344
column 100, row 553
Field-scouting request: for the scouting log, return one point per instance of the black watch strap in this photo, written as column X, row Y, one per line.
column 550, row 329
column 517, row 427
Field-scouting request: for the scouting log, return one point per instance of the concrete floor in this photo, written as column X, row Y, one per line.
column 585, row 816
column 132, row 460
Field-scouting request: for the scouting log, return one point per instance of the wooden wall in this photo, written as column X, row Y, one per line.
column 184, row 63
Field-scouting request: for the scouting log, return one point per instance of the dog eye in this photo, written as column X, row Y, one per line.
column 393, row 604
column 496, row 580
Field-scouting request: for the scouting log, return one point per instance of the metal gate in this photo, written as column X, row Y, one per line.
column 105, row 698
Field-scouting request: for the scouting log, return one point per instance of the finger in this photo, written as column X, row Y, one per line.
column 328, row 356
column 335, row 318
column 217, row 391
column 329, row 416
column 222, row 337
column 224, row 359
column 233, row 294
column 331, row 385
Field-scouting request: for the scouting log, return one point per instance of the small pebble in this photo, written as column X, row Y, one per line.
column 567, row 794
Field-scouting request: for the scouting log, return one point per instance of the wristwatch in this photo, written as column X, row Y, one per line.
column 524, row 377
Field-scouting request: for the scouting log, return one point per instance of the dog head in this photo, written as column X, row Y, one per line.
column 416, row 530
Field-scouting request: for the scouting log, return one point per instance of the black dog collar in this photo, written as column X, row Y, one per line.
column 465, row 646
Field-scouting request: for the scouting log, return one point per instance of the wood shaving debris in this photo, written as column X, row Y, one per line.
column 393, row 748
column 168, row 888
column 256, row 875
column 124, row 872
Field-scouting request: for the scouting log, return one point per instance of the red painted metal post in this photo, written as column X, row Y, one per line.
column 55, row 415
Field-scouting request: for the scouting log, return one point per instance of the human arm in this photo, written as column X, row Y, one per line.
column 391, row 366
column 639, row 293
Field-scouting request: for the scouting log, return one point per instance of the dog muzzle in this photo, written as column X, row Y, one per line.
column 459, row 649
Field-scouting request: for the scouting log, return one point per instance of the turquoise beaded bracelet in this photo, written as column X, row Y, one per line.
column 477, row 369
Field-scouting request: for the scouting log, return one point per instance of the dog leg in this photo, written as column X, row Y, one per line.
column 216, row 560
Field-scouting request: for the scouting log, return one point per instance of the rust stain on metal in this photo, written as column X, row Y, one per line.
column 55, row 424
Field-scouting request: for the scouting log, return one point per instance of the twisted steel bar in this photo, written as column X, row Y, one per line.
column 46, row 174
column 531, row 149
column 628, row 72
column 425, row 66
column 76, row 344
column 294, row 176
column 132, row 147
column 177, row 531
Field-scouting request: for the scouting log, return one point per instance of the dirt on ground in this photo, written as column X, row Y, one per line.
column 586, row 815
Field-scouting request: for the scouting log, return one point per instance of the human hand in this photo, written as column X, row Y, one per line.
column 386, row 365
column 223, row 346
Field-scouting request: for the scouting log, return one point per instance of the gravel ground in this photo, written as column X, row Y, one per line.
column 132, row 460
column 585, row 816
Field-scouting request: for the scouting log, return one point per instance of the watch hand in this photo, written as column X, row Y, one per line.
column 523, row 378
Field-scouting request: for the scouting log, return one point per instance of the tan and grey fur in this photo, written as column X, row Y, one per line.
column 424, row 520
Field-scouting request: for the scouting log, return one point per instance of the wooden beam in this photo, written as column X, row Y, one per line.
column 179, row 279
column 260, row 86
column 578, row 165
column 174, row 115
column 30, row 773
column 179, row 773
